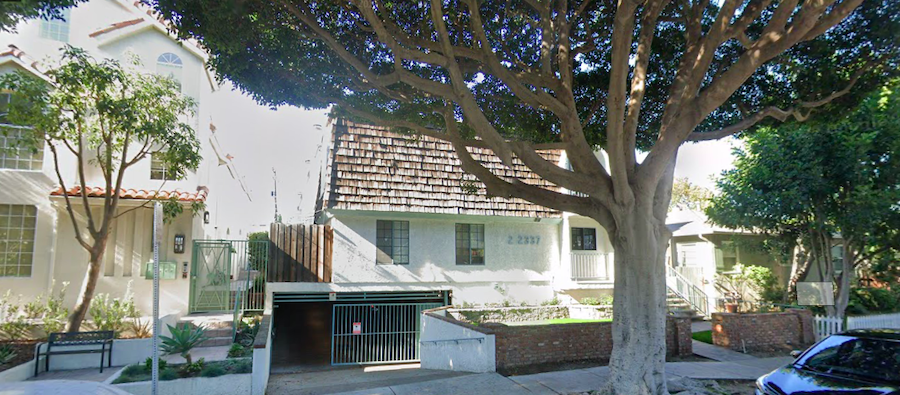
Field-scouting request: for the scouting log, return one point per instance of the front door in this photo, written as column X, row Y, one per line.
column 211, row 276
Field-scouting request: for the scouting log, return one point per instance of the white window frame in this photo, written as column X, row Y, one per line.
column 57, row 29
column 170, row 65
column 17, row 221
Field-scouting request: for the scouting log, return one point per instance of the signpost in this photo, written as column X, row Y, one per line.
column 357, row 328
column 157, row 230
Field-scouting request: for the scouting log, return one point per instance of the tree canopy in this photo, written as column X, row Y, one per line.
column 688, row 196
column 13, row 12
column 518, row 76
column 818, row 181
column 105, row 115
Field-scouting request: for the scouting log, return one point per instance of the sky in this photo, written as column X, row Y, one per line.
column 289, row 141
column 261, row 139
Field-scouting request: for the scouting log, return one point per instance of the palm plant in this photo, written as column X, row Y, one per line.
column 184, row 338
column 7, row 354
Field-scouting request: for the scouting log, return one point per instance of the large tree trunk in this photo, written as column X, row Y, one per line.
column 843, row 282
column 801, row 262
column 639, row 306
column 88, row 286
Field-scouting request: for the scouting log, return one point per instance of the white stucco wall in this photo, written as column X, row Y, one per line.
column 446, row 346
column 262, row 359
column 129, row 248
column 56, row 254
column 229, row 384
column 512, row 271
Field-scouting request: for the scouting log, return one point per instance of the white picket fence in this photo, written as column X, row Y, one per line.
column 830, row 325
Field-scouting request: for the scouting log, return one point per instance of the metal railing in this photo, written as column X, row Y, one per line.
column 687, row 291
column 591, row 266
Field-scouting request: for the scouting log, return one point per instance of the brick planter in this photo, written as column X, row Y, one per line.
column 526, row 348
column 792, row 329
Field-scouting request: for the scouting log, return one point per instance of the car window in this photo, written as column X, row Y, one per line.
column 865, row 358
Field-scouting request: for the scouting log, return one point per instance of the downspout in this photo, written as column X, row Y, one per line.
column 53, row 240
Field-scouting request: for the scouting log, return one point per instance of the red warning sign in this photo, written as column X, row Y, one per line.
column 357, row 328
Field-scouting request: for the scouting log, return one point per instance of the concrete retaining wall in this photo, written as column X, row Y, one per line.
column 229, row 384
column 262, row 356
column 582, row 312
column 792, row 329
column 447, row 344
column 19, row 373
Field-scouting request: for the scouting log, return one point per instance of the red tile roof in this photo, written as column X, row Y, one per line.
column 17, row 53
column 116, row 26
column 374, row 169
column 140, row 194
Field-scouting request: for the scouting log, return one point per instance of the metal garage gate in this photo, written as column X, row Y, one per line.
column 376, row 333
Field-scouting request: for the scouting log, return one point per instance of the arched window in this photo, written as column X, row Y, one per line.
column 169, row 64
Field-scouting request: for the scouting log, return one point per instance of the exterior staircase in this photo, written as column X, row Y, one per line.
column 219, row 327
column 684, row 297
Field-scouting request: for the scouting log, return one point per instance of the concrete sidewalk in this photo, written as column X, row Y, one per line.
column 569, row 381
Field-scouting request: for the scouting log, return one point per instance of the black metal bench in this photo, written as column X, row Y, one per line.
column 103, row 339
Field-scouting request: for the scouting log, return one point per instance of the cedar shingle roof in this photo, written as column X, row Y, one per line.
column 140, row 194
column 373, row 169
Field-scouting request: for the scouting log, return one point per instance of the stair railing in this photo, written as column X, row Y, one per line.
column 684, row 289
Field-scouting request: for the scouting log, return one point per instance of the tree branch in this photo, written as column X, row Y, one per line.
column 780, row 114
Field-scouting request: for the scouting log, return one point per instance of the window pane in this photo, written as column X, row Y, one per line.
column 17, row 236
column 392, row 242
column 590, row 239
column 56, row 29
column 14, row 155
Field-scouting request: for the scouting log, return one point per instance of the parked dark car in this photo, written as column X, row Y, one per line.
column 859, row 362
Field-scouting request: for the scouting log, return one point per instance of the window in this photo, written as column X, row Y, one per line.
column 17, row 231
column 855, row 358
column 584, row 239
column 469, row 244
column 169, row 65
column 726, row 256
column 158, row 169
column 57, row 29
column 14, row 156
column 392, row 241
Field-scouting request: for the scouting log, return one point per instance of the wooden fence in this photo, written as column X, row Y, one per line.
column 300, row 253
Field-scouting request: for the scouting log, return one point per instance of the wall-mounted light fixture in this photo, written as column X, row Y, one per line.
column 206, row 217
column 179, row 244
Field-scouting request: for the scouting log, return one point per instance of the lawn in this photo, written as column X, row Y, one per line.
column 556, row 321
column 704, row 336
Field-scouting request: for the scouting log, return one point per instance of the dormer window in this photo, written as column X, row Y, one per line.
column 57, row 29
column 170, row 65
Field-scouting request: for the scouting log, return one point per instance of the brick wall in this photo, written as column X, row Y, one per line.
column 520, row 347
column 792, row 329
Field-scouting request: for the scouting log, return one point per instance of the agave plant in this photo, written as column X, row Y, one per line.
column 184, row 338
column 7, row 354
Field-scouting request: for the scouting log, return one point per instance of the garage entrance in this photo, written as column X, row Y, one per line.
column 352, row 328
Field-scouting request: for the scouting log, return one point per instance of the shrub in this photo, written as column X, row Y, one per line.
column 134, row 370
column 109, row 314
column 604, row 300
column 148, row 364
column 867, row 299
column 167, row 375
column 212, row 371
column 192, row 368
column 7, row 354
column 551, row 302
column 243, row 365
column 765, row 284
column 184, row 338
column 13, row 326
column 248, row 327
column 236, row 351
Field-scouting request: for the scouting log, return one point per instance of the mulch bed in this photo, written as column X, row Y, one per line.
column 24, row 353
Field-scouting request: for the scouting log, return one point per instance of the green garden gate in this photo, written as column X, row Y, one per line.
column 228, row 275
column 376, row 333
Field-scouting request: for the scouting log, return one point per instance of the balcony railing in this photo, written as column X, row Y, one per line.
column 591, row 266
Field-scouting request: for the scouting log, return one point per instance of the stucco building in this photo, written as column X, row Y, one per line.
column 37, row 243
